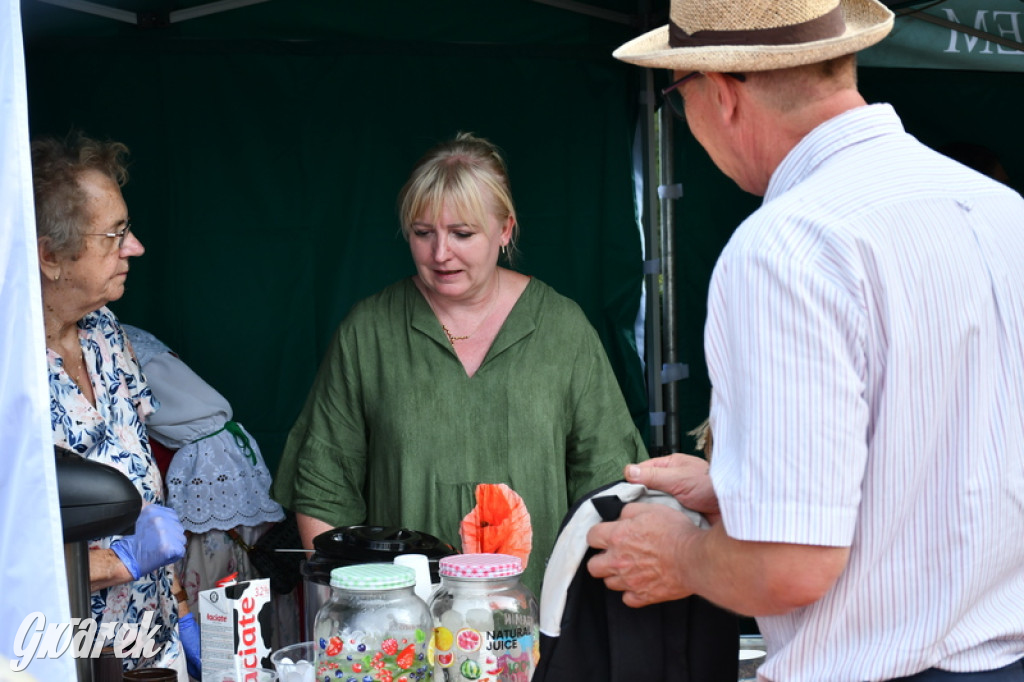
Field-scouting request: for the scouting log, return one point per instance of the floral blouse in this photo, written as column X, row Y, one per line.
column 113, row 432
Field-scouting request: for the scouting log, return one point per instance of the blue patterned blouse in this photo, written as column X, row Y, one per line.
column 113, row 432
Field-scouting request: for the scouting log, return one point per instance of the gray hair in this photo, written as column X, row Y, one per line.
column 60, row 202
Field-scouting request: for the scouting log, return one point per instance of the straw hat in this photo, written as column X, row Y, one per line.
column 758, row 35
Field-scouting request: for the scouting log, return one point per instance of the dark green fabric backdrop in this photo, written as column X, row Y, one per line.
column 270, row 142
column 265, row 174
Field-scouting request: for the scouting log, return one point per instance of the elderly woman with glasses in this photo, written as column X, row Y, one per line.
column 466, row 373
column 98, row 396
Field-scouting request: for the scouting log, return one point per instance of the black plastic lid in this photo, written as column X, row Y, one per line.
column 348, row 545
column 344, row 541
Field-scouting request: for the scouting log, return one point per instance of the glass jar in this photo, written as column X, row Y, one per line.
column 485, row 620
column 373, row 628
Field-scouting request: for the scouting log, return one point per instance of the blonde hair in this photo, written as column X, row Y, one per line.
column 468, row 174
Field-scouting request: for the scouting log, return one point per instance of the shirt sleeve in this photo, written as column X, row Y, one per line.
column 323, row 467
column 785, row 340
column 603, row 438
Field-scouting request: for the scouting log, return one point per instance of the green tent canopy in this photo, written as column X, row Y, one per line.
column 270, row 138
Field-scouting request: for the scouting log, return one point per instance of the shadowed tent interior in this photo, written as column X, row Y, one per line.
column 269, row 142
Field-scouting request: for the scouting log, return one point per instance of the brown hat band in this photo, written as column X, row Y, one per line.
column 826, row 26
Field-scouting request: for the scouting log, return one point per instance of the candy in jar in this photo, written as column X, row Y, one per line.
column 373, row 628
column 485, row 620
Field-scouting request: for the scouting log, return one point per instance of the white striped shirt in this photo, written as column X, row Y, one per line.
column 865, row 341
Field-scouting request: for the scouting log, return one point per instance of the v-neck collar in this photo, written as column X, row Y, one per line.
column 520, row 323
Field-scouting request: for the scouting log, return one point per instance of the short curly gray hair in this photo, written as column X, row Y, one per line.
column 59, row 199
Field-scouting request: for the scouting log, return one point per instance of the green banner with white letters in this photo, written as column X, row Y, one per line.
column 972, row 35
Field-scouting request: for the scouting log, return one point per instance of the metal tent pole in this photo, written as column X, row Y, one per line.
column 672, row 371
column 652, row 265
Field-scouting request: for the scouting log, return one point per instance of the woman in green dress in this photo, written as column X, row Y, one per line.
column 465, row 373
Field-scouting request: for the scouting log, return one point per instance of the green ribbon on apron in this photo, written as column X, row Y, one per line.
column 240, row 439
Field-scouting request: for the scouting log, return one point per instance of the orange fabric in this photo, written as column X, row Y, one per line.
column 499, row 524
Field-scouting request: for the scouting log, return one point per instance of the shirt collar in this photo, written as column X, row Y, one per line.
column 849, row 128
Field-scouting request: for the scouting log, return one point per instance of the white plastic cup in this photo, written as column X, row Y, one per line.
column 295, row 663
column 421, row 565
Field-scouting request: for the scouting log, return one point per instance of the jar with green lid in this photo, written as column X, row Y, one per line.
column 374, row 628
column 486, row 623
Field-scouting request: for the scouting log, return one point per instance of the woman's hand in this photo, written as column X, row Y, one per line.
column 106, row 569
column 159, row 540
column 309, row 528
column 190, row 644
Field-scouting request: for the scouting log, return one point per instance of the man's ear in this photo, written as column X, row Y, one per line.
column 725, row 95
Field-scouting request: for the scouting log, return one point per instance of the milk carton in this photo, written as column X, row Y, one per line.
column 236, row 625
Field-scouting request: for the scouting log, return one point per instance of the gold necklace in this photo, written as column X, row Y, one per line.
column 74, row 375
column 451, row 338
column 447, row 332
column 65, row 358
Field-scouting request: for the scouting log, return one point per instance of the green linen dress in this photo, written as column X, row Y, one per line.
column 395, row 433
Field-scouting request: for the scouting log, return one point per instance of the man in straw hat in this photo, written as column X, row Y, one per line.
column 865, row 341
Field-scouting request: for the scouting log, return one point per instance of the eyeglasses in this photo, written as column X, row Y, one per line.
column 674, row 98
column 119, row 236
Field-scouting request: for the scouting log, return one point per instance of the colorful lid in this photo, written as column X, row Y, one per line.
column 372, row 577
column 480, row 566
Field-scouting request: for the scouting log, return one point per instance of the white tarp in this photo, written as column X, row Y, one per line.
column 930, row 39
column 32, row 576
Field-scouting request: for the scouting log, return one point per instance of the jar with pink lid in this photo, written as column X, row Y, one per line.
column 485, row 620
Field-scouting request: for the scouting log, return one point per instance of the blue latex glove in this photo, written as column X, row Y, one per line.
column 159, row 540
column 189, row 632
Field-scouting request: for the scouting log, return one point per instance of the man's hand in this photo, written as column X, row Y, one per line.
column 645, row 551
column 684, row 477
column 655, row 553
